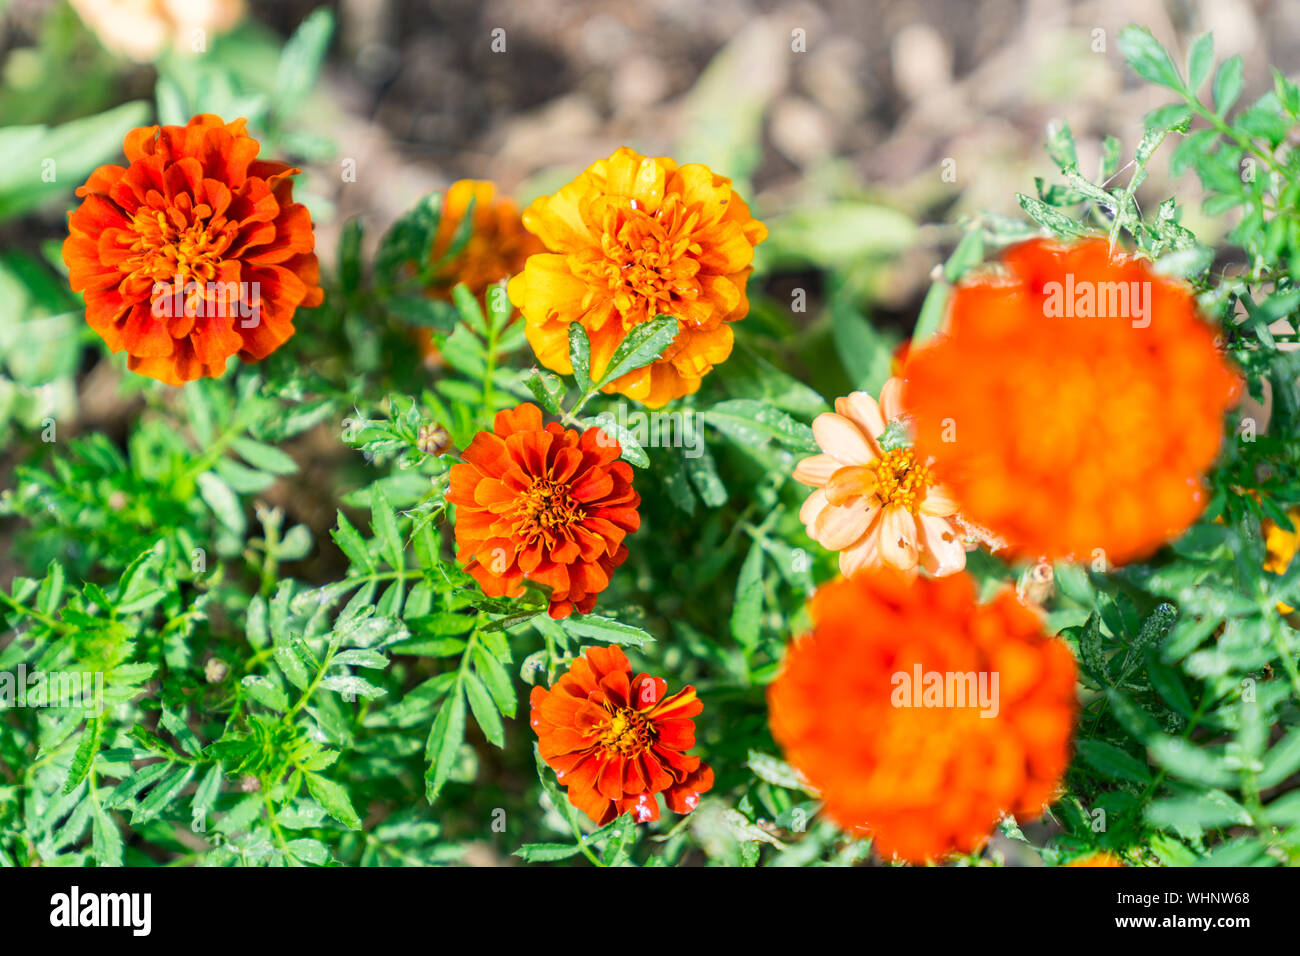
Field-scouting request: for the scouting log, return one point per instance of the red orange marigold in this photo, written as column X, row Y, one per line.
column 616, row 740
column 192, row 252
column 1073, row 404
column 545, row 504
column 932, row 779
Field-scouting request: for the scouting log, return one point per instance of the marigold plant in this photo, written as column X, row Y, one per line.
column 616, row 741
column 1073, row 403
column 632, row 238
column 193, row 252
column 865, row 708
column 543, row 503
column 496, row 247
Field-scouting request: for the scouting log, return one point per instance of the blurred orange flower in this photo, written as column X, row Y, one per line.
column 1073, row 403
column 496, row 248
column 615, row 740
column 1100, row 858
column 192, row 253
column 874, row 505
column 928, row 768
column 545, row 504
column 631, row 238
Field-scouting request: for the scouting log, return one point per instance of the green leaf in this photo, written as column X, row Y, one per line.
column 300, row 61
column 384, row 524
column 1200, row 60
column 580, row 356
column 444, row 741
column 352, row 544
column 642, row 345
column 334, row 800
column 753, row 424
column 606, row 629
column 496, row 678
column 74, row 149
column 1114, row 763
column 263, row 456
column 484, row 710
column 547, row 388
column 223, row 502
column 162, row 795
column 1148, row 59
column 747, row 609
column 547, row 852
column 1228, row 82
column 1043, row 214
column 84, row 756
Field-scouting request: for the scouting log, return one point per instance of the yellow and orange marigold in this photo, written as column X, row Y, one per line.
column 193, row 252
column 877, row 505
column 631, row 238
column 932, row 779
column 616, row 740
column 1067, row 422
column 546, row 504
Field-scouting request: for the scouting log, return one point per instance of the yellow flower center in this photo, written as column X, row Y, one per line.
column 546, row 507
column 902, row 479
column 169, row 247
column 627, row 733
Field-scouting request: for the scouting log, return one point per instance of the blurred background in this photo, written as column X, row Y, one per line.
column 934, row 109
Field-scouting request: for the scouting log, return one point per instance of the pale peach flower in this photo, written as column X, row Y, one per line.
column 875, row 503
column 143, row 30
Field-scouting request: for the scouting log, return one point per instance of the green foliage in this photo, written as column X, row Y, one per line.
column 288, row 665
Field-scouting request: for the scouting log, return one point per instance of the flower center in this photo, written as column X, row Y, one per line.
column 646, row 261
column 170, row 247
column 546, row 507
column 627, row 733
column 902, row 479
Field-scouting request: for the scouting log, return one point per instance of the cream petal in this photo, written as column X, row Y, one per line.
column 939, row 502
column 863, row 553
column 891, row 399
column 812, row 507
column 816, row 470
column 898, row 544
column 842, row 439
column 862, row 410
column 839, row 526
column 941, row 547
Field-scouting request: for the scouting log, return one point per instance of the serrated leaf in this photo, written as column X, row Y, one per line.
column 333, row 799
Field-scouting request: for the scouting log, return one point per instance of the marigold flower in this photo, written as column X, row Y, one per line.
column 615, row 740
column 545, row 504
column 496, row 249
column 1100, row 858
column 1281, row 547
column 631, row 238
column 927, row 771
column 193, row 252
column 1073, row 403
column 876, row 505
